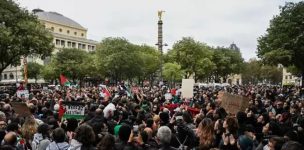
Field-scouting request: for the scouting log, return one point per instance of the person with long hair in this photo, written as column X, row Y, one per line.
column 29, row 128
column 229, row 137
column 205, row 132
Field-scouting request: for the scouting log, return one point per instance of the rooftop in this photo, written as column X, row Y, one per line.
column 57, row 18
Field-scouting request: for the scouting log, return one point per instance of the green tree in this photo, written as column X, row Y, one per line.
column 227, row 61
column 49, row 72
column 119, row 59
column 255, row 72
column 191, row 55
column 21, row 34
column 151, row 61
column 284, row 40
column 271, row 74
column 72, row 63
column 172, row 72
column 251, row 72
column 33, row 70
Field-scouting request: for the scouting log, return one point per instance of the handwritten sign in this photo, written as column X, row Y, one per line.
column 73, row 110
column 24, row 93
column 187, row 88
column 21, row 109
column 233, row 103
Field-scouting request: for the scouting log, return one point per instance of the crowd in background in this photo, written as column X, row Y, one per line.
column 147, row 118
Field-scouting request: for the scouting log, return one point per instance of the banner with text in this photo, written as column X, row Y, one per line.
column 73, row 110
column 21, row 93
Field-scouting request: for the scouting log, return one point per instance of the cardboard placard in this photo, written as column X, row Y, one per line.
column 73, row 110
column 21, row 109
column 233, row 103
column 24, row 93
column 187, row 88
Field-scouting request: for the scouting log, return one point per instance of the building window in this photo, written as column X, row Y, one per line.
column 57, row 42
column 60, row 30
column 79, row 45
column 68, row 31
column 11, row 76
column 89, row 47
column 286, row 77
column 93, row 47
column 69, row 44
column 52, row 28
column 83, row 46
column 75, row 33
column 5, row 76
column 82, row 34
column 62, row 43
column 290, row 77
column 74, row 45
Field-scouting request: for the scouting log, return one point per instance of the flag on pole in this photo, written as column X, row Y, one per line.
column 64, row 81
column 104, row 91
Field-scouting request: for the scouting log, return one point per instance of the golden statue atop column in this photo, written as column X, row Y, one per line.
column 160, row 12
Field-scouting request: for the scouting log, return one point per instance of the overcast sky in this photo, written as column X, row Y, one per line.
column 214, row 22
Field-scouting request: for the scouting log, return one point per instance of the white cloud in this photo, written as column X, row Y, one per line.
column 215, row 22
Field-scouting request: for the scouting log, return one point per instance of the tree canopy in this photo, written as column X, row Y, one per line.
column 73, row 63
column 191, row 55
column 21, row 34
column 255, row 72
column 284, row 40
column 33, row 70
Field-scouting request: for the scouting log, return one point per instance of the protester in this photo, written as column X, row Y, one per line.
column 59, row 140
column 149, row 118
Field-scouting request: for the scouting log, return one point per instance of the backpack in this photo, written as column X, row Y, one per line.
column 182, row 146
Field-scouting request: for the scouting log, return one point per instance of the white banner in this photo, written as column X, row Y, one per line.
column 187, row 88
column 24, row 93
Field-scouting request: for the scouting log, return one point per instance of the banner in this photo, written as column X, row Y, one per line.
column 21, row 109
column 73, row 110
column 187, row 88
column 233, row 103
column 24, row 93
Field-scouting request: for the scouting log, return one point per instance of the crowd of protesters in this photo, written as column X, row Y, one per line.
column 147, row 118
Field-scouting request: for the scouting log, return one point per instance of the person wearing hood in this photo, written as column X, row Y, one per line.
column 41, row 139
column 58, row 140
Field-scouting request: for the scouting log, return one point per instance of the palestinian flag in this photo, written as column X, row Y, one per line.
column 64, row 81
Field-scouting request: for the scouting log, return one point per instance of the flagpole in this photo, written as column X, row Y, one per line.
column 25, row 70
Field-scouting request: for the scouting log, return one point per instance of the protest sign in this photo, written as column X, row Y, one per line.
column 24, row 93
column 233, row 103
column 187, row 88
column 73, row 110
column 21, row 109
column 168, row 96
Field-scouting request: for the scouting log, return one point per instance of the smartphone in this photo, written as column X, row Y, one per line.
column 135, row 129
